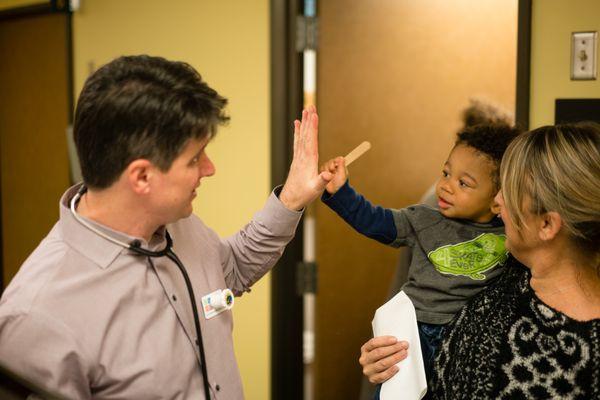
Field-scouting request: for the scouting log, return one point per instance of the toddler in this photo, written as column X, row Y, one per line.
column 458, row 248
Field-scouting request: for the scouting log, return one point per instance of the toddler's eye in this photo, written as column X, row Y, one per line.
column 463, row 183
column 445, row 174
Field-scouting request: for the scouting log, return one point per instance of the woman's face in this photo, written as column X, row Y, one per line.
column 520, row 243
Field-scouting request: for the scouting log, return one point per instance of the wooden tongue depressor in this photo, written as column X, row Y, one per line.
column 357, row 152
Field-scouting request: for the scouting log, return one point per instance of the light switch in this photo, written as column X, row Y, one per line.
column 583, row 55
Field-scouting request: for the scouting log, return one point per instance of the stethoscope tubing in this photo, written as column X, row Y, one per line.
column 199, row 342
column 168, row 252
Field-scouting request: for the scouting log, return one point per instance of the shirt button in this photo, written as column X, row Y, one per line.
column 218, row 388
column 174, row 298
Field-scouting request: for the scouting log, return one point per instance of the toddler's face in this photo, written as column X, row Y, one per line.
column 465, row 190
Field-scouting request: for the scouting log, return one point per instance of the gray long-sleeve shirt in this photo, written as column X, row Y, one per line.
column 452, row 260
column 86, row 318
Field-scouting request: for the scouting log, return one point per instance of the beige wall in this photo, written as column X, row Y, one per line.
column 552, row 24
column 228, row 42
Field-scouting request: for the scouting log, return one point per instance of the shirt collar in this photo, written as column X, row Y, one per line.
column 93, row 246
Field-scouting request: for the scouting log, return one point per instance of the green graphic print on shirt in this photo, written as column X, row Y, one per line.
column 471, row 258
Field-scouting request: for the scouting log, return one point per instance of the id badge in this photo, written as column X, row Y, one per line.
column 216, row 302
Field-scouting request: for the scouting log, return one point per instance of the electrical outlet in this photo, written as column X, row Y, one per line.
column 583, row 55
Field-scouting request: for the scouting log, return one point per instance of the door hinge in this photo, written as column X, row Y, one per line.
column 307, row 31
column 306, row 278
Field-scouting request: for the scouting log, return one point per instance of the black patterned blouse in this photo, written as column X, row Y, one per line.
column 507, row 344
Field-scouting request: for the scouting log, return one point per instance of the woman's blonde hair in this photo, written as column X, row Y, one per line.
column 558, row 169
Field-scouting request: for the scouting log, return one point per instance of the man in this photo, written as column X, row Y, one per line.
column 100, row 309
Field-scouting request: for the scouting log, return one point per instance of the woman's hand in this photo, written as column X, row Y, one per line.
column 379, row 357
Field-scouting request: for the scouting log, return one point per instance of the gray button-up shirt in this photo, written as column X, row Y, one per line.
column 86, row 318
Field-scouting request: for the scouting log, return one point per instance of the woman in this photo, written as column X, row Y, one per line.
column 536, row 332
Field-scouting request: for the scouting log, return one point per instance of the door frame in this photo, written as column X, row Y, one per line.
column 523, row 63
column 286, row 104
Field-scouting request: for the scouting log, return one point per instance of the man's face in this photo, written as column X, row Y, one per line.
column 465, row 189
column 176, row 188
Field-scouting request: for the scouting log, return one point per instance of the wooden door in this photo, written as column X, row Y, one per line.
column 34, row 115
column 396, row 73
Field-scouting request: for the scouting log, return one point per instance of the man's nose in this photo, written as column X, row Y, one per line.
column 207, row 168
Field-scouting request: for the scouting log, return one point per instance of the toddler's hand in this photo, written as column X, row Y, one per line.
column 337, row 167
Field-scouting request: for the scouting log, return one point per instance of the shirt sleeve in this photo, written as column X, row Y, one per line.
column 374, row 222
column 41, row 351
column 252, row 252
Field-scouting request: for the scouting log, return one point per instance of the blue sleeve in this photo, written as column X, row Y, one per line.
column 374, row 222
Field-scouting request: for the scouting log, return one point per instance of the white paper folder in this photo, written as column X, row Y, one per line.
column 397, row 318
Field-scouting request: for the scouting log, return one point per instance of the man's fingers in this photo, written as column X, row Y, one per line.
column 306, row 135
column 297, row 134
column 311, row 134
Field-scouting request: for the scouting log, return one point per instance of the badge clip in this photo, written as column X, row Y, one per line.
column 216, row 302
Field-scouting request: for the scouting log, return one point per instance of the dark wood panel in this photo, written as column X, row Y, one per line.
column 395, row 73
column 34, row 113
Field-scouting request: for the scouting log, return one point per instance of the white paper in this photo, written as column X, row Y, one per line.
column 397, row 318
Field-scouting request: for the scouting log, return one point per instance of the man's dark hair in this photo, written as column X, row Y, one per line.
column 491, row 140
column 141, row 107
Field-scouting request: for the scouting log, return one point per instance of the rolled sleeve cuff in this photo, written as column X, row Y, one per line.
column 280, row 220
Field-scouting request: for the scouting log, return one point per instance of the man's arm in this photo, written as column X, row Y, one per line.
column 254, row 250
column 251, row 253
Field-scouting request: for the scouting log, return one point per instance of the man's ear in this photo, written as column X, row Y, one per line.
column 549, row 225
column 139, row 173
